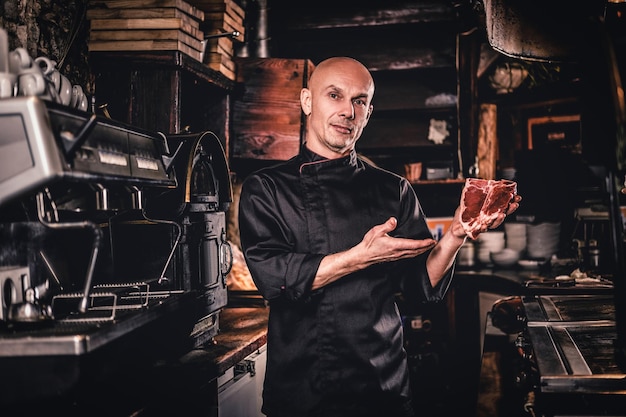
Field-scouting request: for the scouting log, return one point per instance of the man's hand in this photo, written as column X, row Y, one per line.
column 376, row 247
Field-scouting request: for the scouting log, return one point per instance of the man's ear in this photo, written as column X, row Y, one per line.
column 305, row 100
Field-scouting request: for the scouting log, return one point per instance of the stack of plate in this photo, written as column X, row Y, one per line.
column 515, row 236
column 489, row 242
column 543, row 239
column 467, row 254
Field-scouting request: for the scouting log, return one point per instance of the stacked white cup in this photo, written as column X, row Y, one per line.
column 515, row 236
column 491, row 241
column 543, row 239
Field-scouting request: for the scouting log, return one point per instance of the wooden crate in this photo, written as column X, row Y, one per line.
column 146, row 25
column 230, row 6
column 138, row 5
column 222, row 63
column 222, row 16
column 267, row 121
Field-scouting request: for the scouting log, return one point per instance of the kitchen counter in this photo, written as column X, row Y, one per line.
column 469, row 302
column 183, row 382
column 519, row 281
column 242, row 331
column 188, row 385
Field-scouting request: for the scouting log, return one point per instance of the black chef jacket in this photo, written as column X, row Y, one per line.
column 337, row 350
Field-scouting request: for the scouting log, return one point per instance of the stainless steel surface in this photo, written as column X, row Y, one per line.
column 113, row 313
column 124, row 247
column 572, row 342
column 42, row 143
column 559, row 308
column 29, row 155
column 240, row 388
column 576, row 357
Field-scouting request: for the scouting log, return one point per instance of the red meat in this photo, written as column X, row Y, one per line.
column 482, row 201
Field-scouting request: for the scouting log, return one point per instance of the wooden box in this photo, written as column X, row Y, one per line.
column 267, row 121
column 145, row 25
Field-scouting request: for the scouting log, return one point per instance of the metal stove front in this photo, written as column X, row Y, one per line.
column 569, row 346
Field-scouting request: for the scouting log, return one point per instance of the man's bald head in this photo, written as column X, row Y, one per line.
column 337, row 103
column 340, row 63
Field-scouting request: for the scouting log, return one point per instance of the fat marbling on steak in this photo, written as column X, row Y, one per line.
column 482, row 201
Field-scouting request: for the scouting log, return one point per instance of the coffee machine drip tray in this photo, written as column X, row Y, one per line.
column 114, row 312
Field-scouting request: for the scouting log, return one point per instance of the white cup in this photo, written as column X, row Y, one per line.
column 83, row 103
column 543, row 239
column 19, row 60
column 65, row 91
column 8, row 84
column 46, row 65
column 31, row 83
column 77, row 93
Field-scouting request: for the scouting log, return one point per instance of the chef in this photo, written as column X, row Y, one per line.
column 330, row 240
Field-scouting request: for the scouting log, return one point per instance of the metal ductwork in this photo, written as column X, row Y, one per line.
column 257, row 31
column 536, row 30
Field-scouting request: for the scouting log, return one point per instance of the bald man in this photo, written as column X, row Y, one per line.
column 330, row 240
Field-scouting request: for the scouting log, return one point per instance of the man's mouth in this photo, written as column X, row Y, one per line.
column 344, row 129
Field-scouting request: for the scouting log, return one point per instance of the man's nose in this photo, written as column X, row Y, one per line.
column 348, row 110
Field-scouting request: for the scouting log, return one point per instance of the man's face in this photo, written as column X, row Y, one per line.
column 338, row 103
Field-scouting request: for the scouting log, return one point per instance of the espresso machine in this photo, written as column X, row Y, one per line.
column 112, row 245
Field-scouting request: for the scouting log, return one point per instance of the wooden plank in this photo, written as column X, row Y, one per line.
column 220, row 16
column 225, row 25
column 145, row 13
column 311, row 16
column 487, row 152
column 221, row 19
column 220, row 67
column 156, row 23
column 147, row 45
column 146, row 35
column 400, row 90
column 217, row 58
column 383, row 133
column 186, row 7
column 220, row 6
column 221, row 45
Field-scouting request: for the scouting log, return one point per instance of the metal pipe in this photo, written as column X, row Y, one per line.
column 95, row 247
column 262, row 36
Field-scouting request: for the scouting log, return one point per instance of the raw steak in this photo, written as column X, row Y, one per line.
column 482, row 201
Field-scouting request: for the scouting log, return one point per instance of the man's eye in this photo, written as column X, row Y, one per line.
column 359, row 102
column 333, row 95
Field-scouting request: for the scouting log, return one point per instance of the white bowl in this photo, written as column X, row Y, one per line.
column 530, row 263
column 505, row 257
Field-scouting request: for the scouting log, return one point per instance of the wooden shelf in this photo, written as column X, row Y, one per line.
column 166, row 91
column 362, row 14
column 161, row 59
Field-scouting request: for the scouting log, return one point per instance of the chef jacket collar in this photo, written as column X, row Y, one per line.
column 310, row 159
